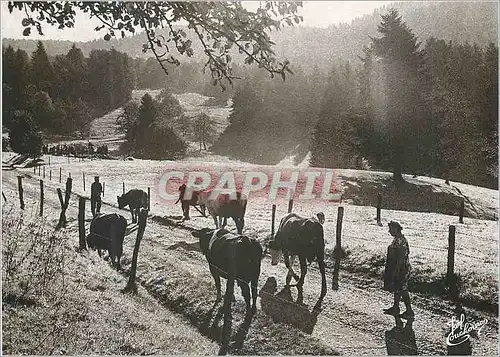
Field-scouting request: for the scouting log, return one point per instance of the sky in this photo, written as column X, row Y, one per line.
column 315, row 13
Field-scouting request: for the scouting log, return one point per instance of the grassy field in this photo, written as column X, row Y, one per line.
column 57, row 300
column 174, row 272
column 46, row 278
column 476, row 259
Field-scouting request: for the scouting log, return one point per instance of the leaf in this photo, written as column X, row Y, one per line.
column 27, row 31
column 107, row 37
column 25, row 22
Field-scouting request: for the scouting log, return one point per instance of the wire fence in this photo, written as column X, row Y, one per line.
column 336, row 318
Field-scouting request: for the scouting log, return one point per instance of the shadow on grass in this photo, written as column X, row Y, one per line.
column 400, row 340
column 209, row 325
column 281, row 307
column 15, row 301
column 242, row 333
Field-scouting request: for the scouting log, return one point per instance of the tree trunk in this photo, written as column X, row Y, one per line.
column 397, row 175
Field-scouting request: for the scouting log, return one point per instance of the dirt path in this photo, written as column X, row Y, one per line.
column 351, row 320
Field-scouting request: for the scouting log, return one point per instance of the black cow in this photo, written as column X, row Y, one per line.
column 304, row 238
column 193, row 201
column 226, row 251
column 107, row 232
column 135, row 199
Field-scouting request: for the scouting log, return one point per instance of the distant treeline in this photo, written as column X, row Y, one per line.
column 429, row 110
column 61, row 95
column 460, row 22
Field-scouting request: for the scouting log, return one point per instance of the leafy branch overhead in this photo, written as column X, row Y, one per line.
column 218, row 26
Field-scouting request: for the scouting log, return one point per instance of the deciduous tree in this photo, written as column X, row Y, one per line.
column 218, row 27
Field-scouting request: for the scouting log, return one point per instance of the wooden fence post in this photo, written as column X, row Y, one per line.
column 273, row 217
column 462, row 211
column 50, row 175
column 65, row 202
column 123, row 187
column 149, row 198
column 41, row 198
column 81, row 224
column 44, row 172
column 39, row 170
column 34, row 170
column 338, row 249
column 20, row 187
column 450, row 272
column 4, row 198
column 69, row 174
column 83, row 173
column 379, row 208
column 131, row 285
column 49, row 160
column 103, row 187
column 60, row 174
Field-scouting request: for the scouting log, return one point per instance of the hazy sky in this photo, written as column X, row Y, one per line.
column 315, row 13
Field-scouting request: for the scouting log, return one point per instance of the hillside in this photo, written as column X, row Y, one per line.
column 473, row 22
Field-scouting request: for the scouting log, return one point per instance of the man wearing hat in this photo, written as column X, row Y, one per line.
column 95, row 196
column 397, row 272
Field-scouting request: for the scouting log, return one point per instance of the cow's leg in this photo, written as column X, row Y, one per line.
column 132, row 213
column 216, row 276
column 286, row 256
column 185, row 209
column 291, row 273
column 99, row 252
column 240, row 223
column 237, row 223
column 245, row 291
column 215, row 221
column 300, row 283
column 255, row 282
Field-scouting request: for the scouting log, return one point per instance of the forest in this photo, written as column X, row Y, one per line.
column 406, row 105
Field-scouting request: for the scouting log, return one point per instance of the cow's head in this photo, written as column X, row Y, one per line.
column 275, row 251
column 321, row 217
column 204, row 236
column 121, row 202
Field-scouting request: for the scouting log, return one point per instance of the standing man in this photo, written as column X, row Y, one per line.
column 95, row 196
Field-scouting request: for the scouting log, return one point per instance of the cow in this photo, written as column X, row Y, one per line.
column 233, row 255
column 107, row 232
column 135, row 199
column 320, row 217
column 224, row 206
column 193, row 201
column 302, row 237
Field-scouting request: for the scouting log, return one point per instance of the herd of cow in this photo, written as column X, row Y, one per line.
column 229, row 255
